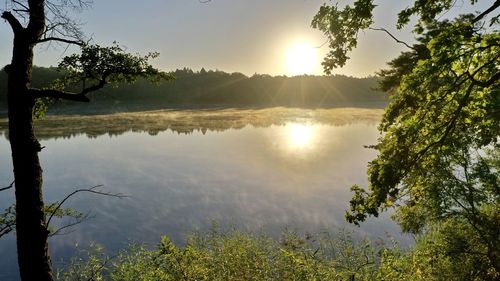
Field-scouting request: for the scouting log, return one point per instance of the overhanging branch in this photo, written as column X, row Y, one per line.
column 81, row 97
column 37, row 93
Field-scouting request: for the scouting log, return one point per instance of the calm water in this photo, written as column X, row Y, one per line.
column 262, row 170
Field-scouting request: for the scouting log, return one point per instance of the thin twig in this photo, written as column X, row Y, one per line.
column 77, row 221
column 63, row 40
column 21, row 4
column 393, row 37
column 8, row 187
column 322, row 44
column 90, row 190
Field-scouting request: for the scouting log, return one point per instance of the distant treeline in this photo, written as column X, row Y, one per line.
column 218, row 88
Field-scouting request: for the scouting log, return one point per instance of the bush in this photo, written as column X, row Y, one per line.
column 236, row 255
column 233, row 255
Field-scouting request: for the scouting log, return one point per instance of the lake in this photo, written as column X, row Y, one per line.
column 263, row 170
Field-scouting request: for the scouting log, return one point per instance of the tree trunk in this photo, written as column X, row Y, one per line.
column 31, row 230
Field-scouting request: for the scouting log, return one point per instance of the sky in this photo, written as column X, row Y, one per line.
column 247, row 36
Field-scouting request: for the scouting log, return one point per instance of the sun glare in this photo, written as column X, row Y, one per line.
column 301, row 59
column 300, row 135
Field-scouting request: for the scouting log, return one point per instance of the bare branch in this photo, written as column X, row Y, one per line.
column 75, row 222
column 20, row 11
column 60, row 23
column 50, row 27
column 68, row 41
column 91, row 190
column 8, row 187
column 14, row 23
column 393, row 37
column 21, row 4
column 487, row 11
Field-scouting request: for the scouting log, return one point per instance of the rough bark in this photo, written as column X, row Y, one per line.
column 31, row 230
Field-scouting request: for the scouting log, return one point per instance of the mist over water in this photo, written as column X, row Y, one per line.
column 258, row 170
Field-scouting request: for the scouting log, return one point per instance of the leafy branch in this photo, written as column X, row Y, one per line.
column 8, row 220
column 100, row 66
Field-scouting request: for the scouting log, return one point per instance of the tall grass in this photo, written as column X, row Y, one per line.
column 233, row 255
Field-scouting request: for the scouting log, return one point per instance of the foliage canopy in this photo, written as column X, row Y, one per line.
column 109, row 65
column 438, row 150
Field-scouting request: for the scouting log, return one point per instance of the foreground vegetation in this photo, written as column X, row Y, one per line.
column 235, row 255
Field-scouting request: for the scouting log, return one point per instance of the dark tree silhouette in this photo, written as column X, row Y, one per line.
column 34, row 22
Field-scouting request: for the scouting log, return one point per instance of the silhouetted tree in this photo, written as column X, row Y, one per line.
column 34, row 22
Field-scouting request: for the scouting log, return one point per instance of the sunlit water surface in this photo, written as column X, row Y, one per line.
column 292, row 173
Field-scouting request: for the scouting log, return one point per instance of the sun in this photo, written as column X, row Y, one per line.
column 301, row 58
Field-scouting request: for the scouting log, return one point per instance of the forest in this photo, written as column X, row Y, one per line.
column 220, row 89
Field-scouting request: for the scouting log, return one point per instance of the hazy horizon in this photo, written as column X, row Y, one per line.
column 231, row 35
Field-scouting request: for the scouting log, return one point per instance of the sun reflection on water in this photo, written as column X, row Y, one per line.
column 300, row 136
